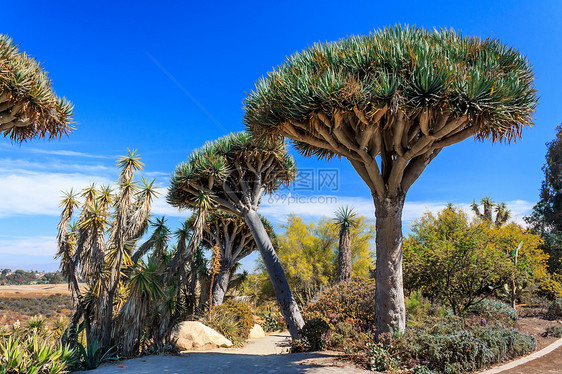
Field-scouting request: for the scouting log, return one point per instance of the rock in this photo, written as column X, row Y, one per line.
column 193, row 335
column 256, row 332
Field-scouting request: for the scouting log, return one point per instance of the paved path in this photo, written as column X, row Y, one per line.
column 267, row 355
column 546, row 361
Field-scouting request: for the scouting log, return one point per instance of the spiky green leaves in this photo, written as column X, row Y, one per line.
column 29, row 107
column 231, row 171
column 404, row 68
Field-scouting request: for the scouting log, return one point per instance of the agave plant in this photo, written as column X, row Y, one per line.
column 29, row 107
column 232, row 174
column 389, row 102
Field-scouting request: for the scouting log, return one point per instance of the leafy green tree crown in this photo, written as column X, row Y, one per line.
column 369, row 80
column 29, row 106
column 232, row 171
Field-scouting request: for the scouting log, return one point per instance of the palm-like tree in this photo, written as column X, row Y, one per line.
column 29, row 107
column 503, row 214
column 100, row 251
column 346, row 219
column 232, row 174
column 389, row 102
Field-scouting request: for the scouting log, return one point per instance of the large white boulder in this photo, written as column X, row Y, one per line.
column 256, row 332
column 193, row 335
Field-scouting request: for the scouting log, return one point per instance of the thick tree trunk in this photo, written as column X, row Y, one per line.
column 285, row 299
column 344, row 257
column 390, row 310
column 203, row 294
column 222, row 284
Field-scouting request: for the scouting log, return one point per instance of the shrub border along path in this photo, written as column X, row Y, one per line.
column 528, row 361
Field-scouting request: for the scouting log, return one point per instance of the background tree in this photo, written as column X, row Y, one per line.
column 345, row 219
column 527, row 261
column 457, row 261
column 29, row 107
column 234, row 239
column 503, row 214
column 232, row 174
column 389, row 102
column 546, row 218
column 309, row 254
column 447, row 257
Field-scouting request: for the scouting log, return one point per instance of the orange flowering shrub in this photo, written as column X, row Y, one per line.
column 352, row 302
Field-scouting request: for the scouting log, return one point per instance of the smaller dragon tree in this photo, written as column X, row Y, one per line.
column 234, row 239
column 232, row 174
column 29, row 107
column 503, row 214
column 346, row 219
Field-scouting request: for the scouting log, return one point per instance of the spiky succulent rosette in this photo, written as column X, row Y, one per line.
column 402, row 93
column 232, row 172
column 29, row 107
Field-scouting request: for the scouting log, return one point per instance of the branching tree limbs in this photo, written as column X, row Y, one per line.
column 233, row 236
column 232, row 174
column 389, row 102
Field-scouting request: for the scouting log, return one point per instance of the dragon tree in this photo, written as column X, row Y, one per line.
column 389, row 102
column 234, row 239
column 232, row 174
column 29, row 107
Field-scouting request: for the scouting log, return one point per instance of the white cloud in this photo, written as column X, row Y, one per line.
column 18, row 166
column 37, row 193
column 161, row 208
column 30, row 246
column 278, row 209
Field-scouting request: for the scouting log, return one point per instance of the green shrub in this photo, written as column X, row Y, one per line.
column 494, row 310
column 313, row 331
column 352, row 302
column 554, row 331
column 241, row 313
column 272, row 322
column 380, row 358
column 22, row 351
column 227, row 325
column 92, row 355
column 345, row 336
column 421, row 312
column 555, row 308
column 450, row 347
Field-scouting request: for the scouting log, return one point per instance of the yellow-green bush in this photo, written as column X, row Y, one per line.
column 240, row 312
column 352, row 302
column 549, row 288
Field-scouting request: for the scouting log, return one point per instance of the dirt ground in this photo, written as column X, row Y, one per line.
column 34, row 290
column 20, row 303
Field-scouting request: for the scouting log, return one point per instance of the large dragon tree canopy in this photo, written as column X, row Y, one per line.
column 29, row 107
column 231, row 173
column 402, row 93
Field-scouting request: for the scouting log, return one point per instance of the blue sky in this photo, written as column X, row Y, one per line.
column 165, row 77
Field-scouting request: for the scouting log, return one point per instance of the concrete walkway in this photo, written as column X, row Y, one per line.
column 266, row 355
column 547, row 360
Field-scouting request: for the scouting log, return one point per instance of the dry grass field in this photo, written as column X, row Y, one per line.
column 19, row 303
